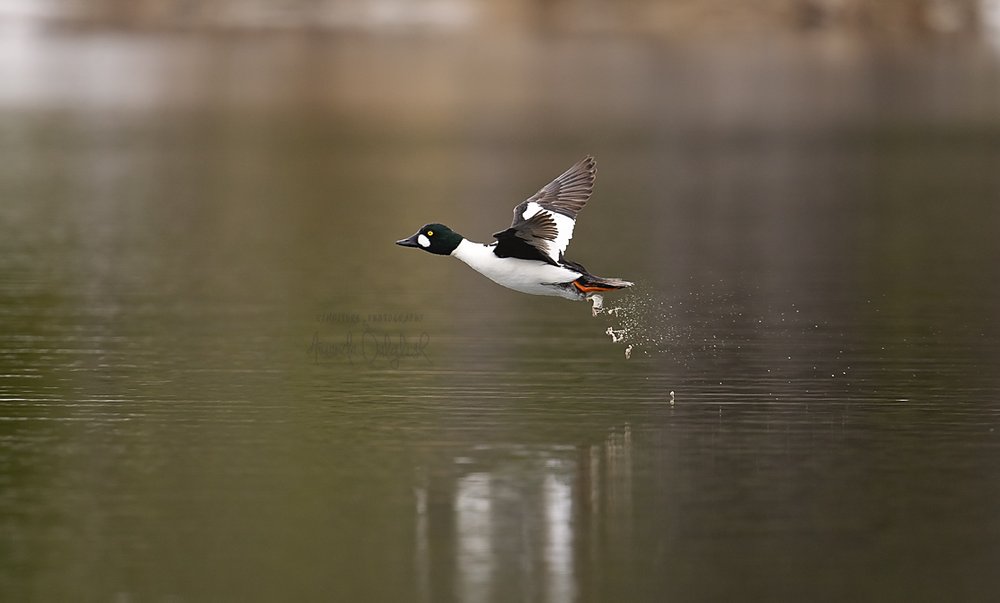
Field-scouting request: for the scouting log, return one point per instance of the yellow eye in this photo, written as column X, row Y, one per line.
column 430, row 233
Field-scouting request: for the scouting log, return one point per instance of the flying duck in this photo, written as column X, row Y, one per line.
column 529, row 256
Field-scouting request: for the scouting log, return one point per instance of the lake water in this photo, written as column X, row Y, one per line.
column 220, row 380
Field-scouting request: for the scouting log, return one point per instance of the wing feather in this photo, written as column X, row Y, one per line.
column 530, row 239
column 560, row 201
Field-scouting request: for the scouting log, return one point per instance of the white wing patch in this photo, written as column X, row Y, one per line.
column 564, row 226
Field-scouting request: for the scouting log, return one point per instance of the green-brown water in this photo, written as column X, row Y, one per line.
column 220, row 380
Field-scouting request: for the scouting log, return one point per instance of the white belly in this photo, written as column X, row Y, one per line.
column 526, row 276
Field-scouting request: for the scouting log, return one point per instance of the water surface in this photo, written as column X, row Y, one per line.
column 219, row 380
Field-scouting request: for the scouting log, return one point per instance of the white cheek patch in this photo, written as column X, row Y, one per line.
column 423, row 241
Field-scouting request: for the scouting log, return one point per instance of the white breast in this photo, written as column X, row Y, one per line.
column 526, row 276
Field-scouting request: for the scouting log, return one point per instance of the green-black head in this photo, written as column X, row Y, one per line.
column 435, row 238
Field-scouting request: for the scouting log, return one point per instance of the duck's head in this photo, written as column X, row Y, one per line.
column 435, row 238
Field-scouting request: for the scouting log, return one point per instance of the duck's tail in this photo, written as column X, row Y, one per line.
column 588, row 283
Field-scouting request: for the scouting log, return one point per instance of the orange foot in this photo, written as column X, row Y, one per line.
column 585, row 289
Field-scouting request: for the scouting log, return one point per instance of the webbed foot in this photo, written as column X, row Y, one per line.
column 598, row 301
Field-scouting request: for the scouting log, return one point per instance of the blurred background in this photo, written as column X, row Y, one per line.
column 681, row 17
column 220, row 380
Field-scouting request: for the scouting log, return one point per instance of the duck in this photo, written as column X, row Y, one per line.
column 529, row 256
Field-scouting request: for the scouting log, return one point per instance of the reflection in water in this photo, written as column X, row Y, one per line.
column 618, row 471
column 558, row 501
column 525, row 526
column 422, row 544
column 606, row 500
column 474, row 553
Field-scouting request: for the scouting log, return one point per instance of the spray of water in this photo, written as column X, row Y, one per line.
column 647, row 322
column 722, row 322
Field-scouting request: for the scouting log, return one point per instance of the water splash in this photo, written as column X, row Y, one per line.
column 648, row 322
column 726, row 326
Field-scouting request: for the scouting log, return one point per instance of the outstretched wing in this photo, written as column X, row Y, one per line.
column 546, row 220
column 528, row 239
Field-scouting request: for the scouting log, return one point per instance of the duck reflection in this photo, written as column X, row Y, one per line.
column 517, row 523
column 558, row 503
column 475, row 553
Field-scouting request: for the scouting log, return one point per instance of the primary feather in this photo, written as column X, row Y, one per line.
column 545, row 221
